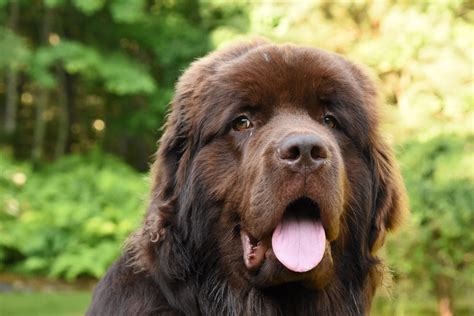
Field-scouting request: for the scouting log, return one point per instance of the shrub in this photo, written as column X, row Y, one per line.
column 434, row 252
column 70, row 218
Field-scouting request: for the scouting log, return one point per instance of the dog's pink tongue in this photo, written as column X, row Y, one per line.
column 299, row 243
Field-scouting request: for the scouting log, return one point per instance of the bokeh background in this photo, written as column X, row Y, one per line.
column 84, row 88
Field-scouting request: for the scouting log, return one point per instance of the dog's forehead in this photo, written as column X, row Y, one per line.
column 287, row 73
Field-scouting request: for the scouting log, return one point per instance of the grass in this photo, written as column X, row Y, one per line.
column 75, row 303
column 44, row 304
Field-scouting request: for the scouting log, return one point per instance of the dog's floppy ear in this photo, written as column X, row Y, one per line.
column 389, row 201
column 172, row 151
column 389, row 204
column 166, row 176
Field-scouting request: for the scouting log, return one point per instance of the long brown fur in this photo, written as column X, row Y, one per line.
column 209, row 182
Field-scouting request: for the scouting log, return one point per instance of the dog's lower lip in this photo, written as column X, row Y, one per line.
column 253, row 251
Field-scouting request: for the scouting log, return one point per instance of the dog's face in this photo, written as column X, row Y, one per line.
column 273, row 166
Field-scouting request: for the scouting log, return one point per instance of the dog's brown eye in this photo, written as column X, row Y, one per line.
column 330, row 121
column 241, row 123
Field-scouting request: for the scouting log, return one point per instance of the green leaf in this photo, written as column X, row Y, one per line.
column 76, row 57
column 122, row 76
column 127, row 11
column 119, row 73
column 14, row 48
column 78, row 226
column 53, row 3
column 89, row 7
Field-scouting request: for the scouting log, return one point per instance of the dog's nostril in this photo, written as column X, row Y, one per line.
column 319, row 152
column 292, row 153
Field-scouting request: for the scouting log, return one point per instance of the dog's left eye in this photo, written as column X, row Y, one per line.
column 330, row 121
column 241, row 123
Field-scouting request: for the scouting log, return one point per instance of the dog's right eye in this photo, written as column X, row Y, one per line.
column 330, row 121
column 241, row 123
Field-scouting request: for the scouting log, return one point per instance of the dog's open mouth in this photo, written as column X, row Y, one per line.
column 298, row 241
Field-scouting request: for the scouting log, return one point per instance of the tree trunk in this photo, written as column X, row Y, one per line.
column 43, row 99
column 444, row 287
column 72, row 114
column 40, row 126
column 11, row 101
column 444, row 306
column 12, row 79
column 63, row 119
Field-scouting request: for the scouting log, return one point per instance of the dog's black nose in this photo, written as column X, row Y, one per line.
column 302, row 151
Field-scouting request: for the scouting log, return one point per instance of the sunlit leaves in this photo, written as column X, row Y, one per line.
column 89, row 6
column 73, row 216
column 54, row 3
column 120, row 74
column 440, row 179
column 127, row 11
column 14, row 49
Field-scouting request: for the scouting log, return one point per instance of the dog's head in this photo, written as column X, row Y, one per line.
column 271, row 167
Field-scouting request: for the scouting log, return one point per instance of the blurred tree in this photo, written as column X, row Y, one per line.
column 99, row 73
column 43, row 95
column 12, row 77
column 437, row 246
column 69, row 218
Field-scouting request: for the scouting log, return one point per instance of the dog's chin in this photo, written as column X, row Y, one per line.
column 272, row 273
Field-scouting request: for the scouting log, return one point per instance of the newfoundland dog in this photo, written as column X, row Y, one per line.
column 272, row 192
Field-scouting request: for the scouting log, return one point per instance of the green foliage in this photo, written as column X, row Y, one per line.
column 120, row 74
column 440, row 179
column 53, row 3
column 89, row 7
column 95, row 59
column 15, row 51
column 69, row 219
column 433, row 253
column 128, row 11
column 123, row 77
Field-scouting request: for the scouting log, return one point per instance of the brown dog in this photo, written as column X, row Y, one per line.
column 272, row 192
